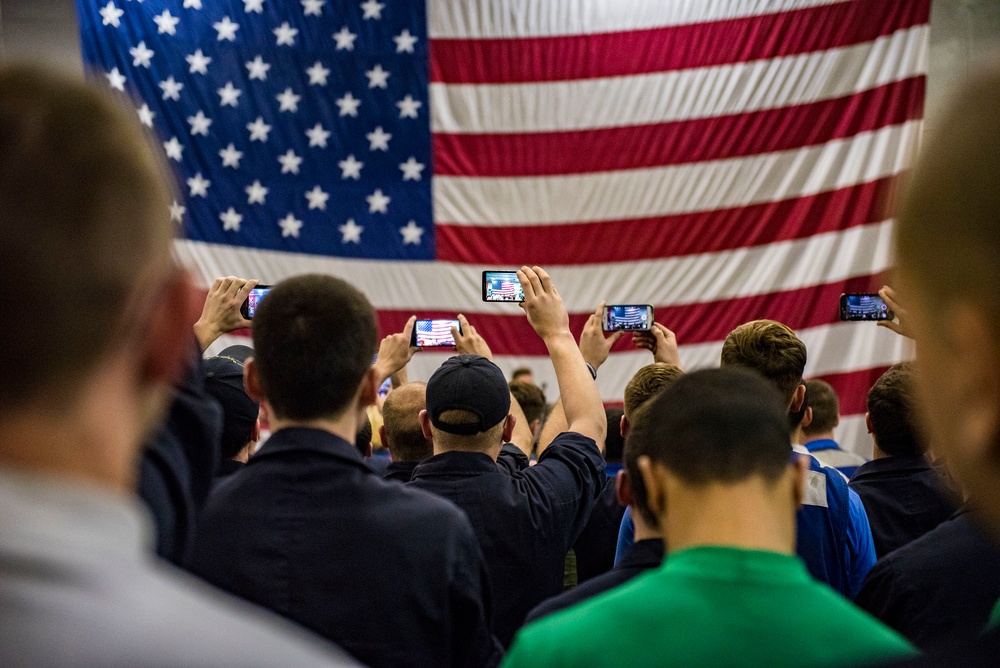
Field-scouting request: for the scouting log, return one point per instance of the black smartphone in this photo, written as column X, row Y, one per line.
column 502, row 286
column 249, row 306
column 434, row 333
column 627, row 317
column 864, row 306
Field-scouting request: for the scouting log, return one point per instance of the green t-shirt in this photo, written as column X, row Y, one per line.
column 994, row 617
column 711, row 606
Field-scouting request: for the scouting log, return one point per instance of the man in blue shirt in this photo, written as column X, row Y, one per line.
column 822, row 417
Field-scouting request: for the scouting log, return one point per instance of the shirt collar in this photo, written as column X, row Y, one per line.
column 646, row 553
column 732, row 564
column 822, row 444
column 888, row 464
column 455, row 463
column 315, row 440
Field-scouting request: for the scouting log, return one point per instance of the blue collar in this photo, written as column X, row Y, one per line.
column 822, row 444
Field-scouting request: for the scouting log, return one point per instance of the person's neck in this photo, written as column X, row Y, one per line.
column 822, row 436
column 751, row 514
column 878, row 453
column 344, row 425
column 643, row 529
column 493, row 452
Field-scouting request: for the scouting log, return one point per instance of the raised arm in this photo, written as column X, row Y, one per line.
column 221, row 313
column 395, row 352
column 577, row 389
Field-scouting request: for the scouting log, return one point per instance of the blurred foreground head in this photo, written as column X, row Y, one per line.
column 948, row 244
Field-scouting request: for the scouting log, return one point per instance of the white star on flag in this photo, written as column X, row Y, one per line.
column 199, row 123
column 146, row 115
column 404, row 42
column 177, row 212
column 318, row 136
column 166, row 23
column 198, row 62
column 116, row 79
column 229, row 95
column 141, row 55
column 408, row 107
column 290, row 226
column 378, row 139
column 171, row 89
column 258, row 68
column 230, row 156
column 373, row 9
column 174, row 149
column 350, row 168
column 377, row 77
column 230, row 220
column 345, row 39
column 411, row 169
column 348, row 105
column 378, row 202
column 351, row 232
column 317, row 74
column 317, row 198
column 288, row 100
column 312, row 7
column 226, row 29
column 192, row 4
column 285, row 34
column 198, row 186
column 258, row 130
column 256, row 193
column 411, row 233
column 111, row 15
column 256, row 6
column 289, row 162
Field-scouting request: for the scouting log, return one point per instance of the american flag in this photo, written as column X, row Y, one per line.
column 435, row 332
column 627, row 317
column 506, row 289
column 723, row 161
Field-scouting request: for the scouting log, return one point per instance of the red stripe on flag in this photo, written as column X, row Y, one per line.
column 693, row 323
column 667, row 236
column 670, row 48
column 852, row 388
column 655, row 145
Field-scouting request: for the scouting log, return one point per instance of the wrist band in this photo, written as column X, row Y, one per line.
column 592, row 370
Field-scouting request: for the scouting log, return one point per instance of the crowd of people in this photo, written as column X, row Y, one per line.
column 712, row 520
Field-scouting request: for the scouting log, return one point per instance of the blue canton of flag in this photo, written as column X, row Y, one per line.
column 294, row 126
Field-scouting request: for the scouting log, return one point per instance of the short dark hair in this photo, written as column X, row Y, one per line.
column 769, row 348
column 401, row 420
column 714, row 425
column 84, row 198
column 313, row 337
column 530, row 397
column 363, row 436
column 647, row 382
column 521, row 371
column 614, row 444
column 892, row 411
column 825, row 405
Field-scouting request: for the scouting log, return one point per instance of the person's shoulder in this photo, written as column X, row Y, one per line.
column 840, row 617
column 571, row 439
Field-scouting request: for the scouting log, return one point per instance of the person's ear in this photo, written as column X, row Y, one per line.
column 807, row 418
column 623, row 426
column 623, row 489
column 868, row 422
column 167, row 340
column 797, row 398
column 251, row 381
column 425, row 425
column 255, row 433
column 381, row 436
column 797, row 470
column 655, row 483
column 508, row 427
column 368, row 390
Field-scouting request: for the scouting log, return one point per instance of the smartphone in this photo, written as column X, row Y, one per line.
column 249, row 306
column 628, row 317
column 434, row 333
column 864, row 306
column 502, row 286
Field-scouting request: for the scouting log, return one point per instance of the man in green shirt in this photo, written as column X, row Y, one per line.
column 720, row 475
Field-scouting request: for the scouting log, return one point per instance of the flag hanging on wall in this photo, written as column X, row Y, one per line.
column 723, row 161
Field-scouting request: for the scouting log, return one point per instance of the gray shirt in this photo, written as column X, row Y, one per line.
column 80, row 586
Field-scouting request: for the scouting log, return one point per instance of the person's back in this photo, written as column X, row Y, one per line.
column 526, row 520
column 718, row 472
column 817, row 432
column 103, row 329
column 307, row 529
column 905, row 496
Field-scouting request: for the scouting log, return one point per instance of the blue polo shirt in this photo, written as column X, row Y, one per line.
column 829, row 453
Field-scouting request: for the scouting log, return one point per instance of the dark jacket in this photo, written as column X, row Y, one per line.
column 595, row 548
column 526, row 520
column 641, row 557
column 393, row 575
column 941, row 586
column 904, row 497
column 399, row 471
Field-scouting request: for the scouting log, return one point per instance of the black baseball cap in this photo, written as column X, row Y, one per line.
column 468, row 383
column 224, row 381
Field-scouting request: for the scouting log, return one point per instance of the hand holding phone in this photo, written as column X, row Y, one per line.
column 627, row 318
column 502, row 286
column 434, row 333
column 864, row 306
column 250, row 304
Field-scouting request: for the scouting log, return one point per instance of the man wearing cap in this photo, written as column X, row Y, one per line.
column 240, row 424
column 526, row 520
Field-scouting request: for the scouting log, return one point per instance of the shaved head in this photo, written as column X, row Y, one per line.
column 401, row 420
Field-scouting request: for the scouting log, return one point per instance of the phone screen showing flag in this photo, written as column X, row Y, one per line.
column 434, row 333
column 502, row 286
column 630, row 318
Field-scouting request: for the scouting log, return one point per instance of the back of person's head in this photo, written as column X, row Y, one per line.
column 468, row 402
column 771, row 349
column 313, row 338
column 224, row 382
column 892, row 412
column 715, row 426
column 647, row 382
column 401, row 423
column 363, row 437
column 530, row 397
column 825, row 407
column 522, row 373
column 84, row 233
column 614, row 443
